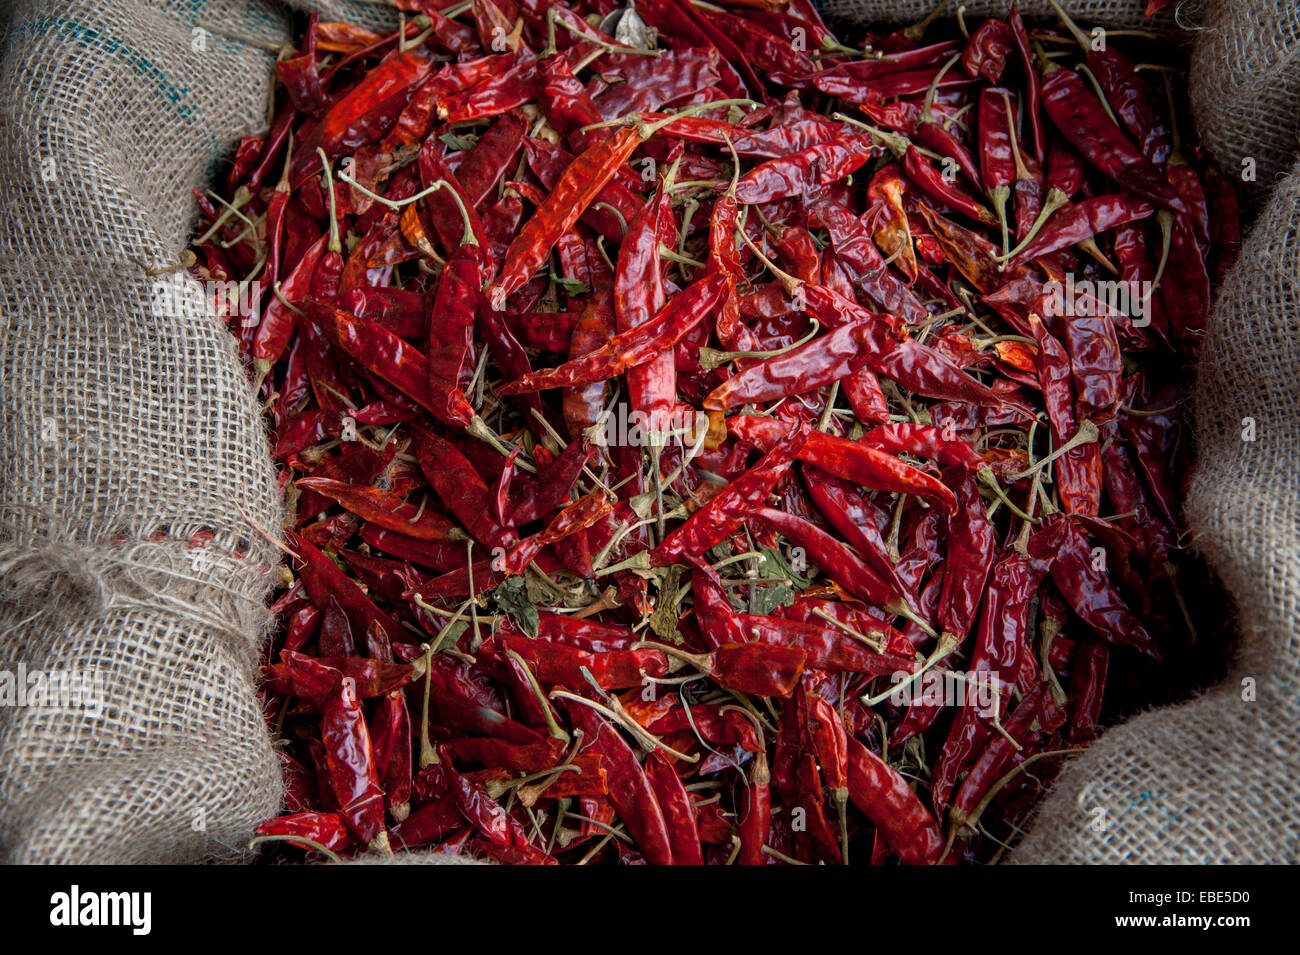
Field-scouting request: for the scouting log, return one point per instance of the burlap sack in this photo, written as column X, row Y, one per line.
column 129, row 429
column 136, row 480
column 1245, row 68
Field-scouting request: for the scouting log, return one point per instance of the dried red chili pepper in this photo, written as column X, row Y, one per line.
column 434, row 303
column 1126, row 93
column 556, row 664
column 884, row 796
column 867, row 270
column 629, row 790
column 451, row 337
column 1087, row 684
column 971, row 542
column 675, row 802
column 575, row 518
column 796, row 173
column 461, row 489
column 386, row 510
column 1082, row 119
column 987, row 49
column 805, row 368
column 996, row 657
column 637, row 346
column 638, row 296
column 1078, row 470
column 755, row 814
column 833, row 557
column 567, row 201
column 720, row 517
column 1033, row 81
column 851, row 460
column 390, row 737
column 1080, row 222
column 1090, row 594
column 301, row 676
column 326, row 829
column 1037, row 712
column 351, row 765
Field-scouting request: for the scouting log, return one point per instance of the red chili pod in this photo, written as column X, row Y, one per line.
column 678, row 811
column 629, row 790
column 880, row 792
column 757, row 668
column 350, row 762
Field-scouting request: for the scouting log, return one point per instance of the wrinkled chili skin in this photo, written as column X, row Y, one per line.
column 351, row 764
column 793, row 174
column 630, row 790
column 725, row 512
column 1083, row 221
column 972, row 542
column 566, row 202
column 1033, row 82
column 637, row 346
column 1092, row 596
column 1080, row 117
column 850, row 460
column 679, row 816
column 885, row 797
column 1036, row 709
column 451, row 337
column 1130, row 98
column 1079, row 470
column 999, row 647
column 638, row 296
column 986, row 52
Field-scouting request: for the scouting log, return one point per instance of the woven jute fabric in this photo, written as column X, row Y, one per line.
column 134, row 470
column 137, row 494
column 1245, row 69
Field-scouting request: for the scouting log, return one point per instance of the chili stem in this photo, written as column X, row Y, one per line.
column 1055, row 200
column 711, row 358
column 466, row 239
column 947, row 644
column 1087, row 434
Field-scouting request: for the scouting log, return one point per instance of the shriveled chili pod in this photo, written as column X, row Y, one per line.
column 676, row 805
column 880, row 792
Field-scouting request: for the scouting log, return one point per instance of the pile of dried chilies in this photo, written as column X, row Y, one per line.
column 705, row 441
